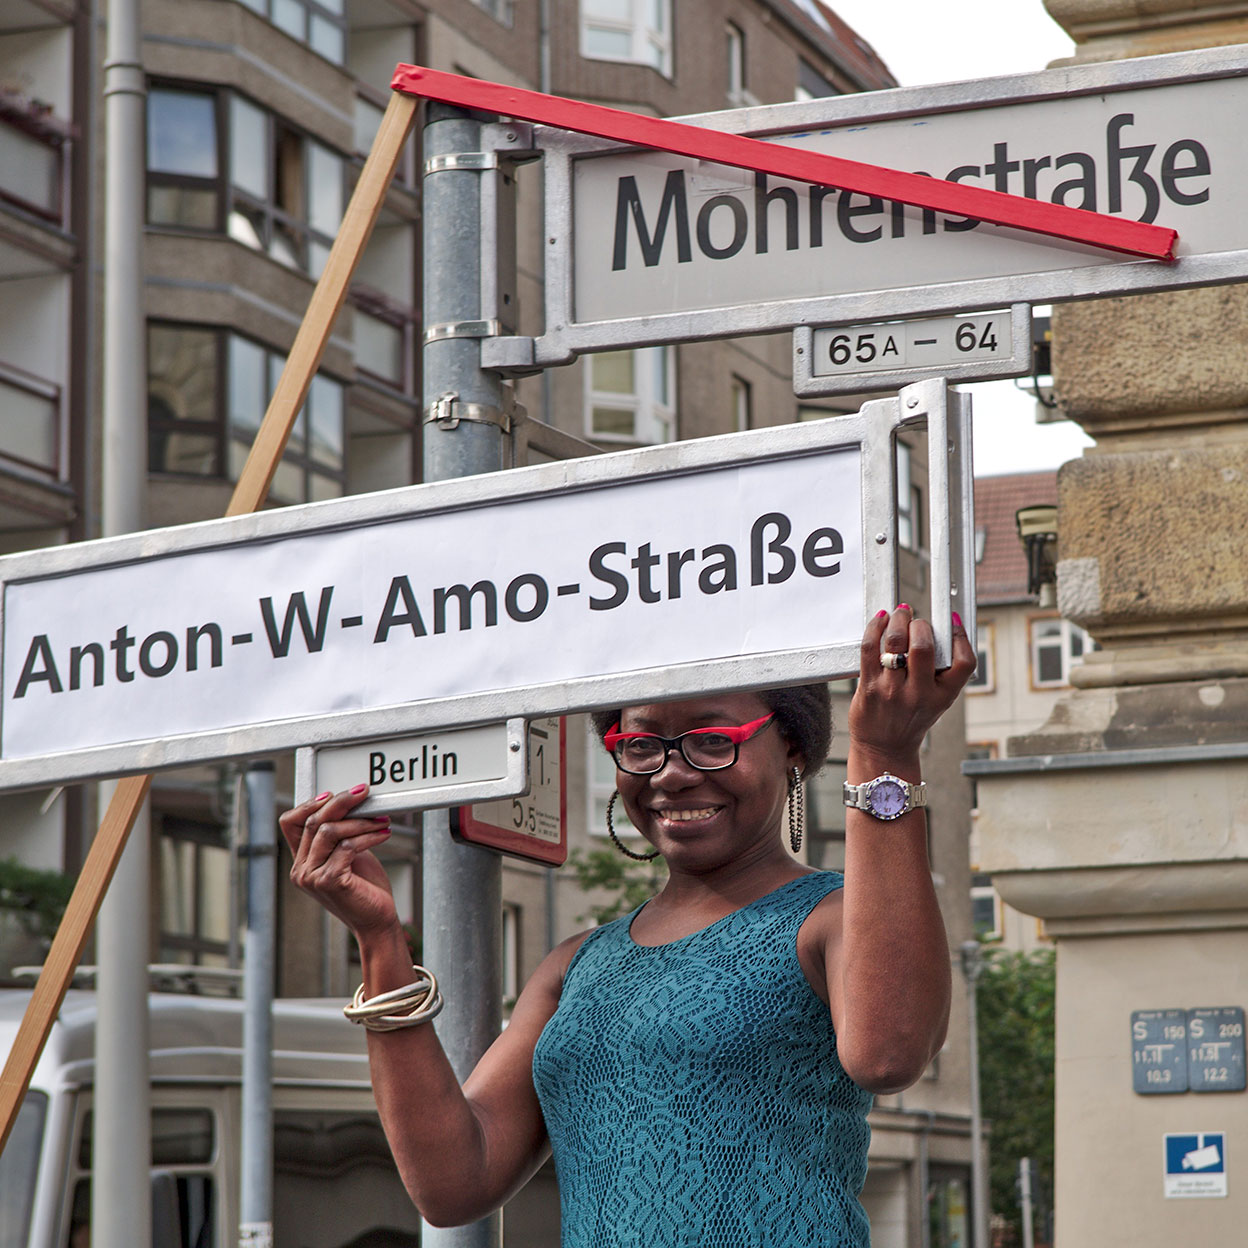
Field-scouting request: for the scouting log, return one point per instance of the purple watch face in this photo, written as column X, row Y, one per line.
column 887, row 799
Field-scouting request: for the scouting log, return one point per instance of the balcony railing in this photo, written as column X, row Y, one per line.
column 33, row 147
column 31, row 436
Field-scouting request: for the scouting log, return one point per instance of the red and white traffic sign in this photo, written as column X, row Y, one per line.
column 534, row 825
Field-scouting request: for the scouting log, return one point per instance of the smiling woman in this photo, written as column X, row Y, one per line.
column 701, row 1068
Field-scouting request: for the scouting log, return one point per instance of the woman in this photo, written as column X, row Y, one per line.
column 703, row 1067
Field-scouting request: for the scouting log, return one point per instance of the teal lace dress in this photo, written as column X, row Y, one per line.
column 692, row 1091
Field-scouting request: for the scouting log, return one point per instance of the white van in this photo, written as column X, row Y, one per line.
column 334, row 1182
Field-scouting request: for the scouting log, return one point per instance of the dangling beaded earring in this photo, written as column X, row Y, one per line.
column 797, row 815
column 628, row 853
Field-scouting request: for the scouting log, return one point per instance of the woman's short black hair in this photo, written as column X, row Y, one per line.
column 803, row 714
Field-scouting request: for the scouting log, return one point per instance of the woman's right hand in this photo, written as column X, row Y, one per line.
column 333, row 862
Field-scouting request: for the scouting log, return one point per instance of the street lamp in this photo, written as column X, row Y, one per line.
column 1037, row 529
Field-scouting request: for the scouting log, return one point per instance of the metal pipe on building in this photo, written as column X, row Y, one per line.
column 1024, row 1202
column 972, row 966
column 255, row 1206
column 121, row 1189
column 462, row 898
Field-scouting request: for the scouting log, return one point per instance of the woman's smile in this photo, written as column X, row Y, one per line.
column 685, row 814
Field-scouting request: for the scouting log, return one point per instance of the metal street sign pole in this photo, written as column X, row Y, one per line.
column 462, row 933
column 255, row 1162
column 120, row 1192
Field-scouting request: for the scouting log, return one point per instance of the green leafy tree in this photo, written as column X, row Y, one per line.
column 37, row 898
column 626, row 884
column 1015, row 1008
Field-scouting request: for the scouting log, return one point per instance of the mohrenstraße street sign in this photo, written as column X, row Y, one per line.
column 649, row 247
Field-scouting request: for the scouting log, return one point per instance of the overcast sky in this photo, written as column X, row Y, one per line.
column 925, row 41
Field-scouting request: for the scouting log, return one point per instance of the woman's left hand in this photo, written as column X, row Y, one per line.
column 894, row 708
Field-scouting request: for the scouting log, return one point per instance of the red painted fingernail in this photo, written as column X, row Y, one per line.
column 957, row 620
column 881, row 615
column 904, row 606
column 359, row 788
column 382, row 819
column 320, row 797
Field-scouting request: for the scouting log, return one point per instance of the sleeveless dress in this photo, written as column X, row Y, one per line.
column 692, row 1091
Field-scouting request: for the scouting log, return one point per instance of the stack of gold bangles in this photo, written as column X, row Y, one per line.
column 410, row 1006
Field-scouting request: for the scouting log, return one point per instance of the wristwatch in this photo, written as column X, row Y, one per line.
column 886, row 797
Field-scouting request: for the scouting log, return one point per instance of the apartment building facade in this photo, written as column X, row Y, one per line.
column 1026, row 656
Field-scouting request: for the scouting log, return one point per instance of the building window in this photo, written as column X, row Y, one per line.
column 600, row 770
column 384, row 337
column 735, row 55
column 630, row 395
column 183, row 400
column 313, row 464
column 499, row 10
column 742, row 414
column 511, row 954
column 208, row 391
column 31, row 436
column 184, row 1148
column 639, row 31
column 196, row 904
column 984, row 679
column 183, row 158
column 909, row 502
column 370, row 108
column 985, row 908
column 285, row 190
column 811, row 84
column 986, row 749
column 321, row 24
column 948, row 1208
column 1056, row 646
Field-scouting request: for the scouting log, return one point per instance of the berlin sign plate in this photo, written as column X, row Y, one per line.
column 419, row 771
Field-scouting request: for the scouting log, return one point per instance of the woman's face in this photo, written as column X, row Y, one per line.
column 709, row 816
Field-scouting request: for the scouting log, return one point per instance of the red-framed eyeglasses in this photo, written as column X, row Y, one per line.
column 705, row 749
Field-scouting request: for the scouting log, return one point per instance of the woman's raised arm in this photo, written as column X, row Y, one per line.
column 461, row 1152
column 888, row 959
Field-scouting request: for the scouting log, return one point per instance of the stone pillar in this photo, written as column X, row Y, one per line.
column 1123, row 821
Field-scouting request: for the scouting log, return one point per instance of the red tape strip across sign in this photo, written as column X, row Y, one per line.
column 1076, row 225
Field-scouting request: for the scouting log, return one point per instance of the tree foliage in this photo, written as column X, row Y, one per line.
column 1015, row 1009
column 37, row 898
column 620, row 884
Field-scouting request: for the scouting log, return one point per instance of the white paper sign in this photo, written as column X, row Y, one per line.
column 742, row 560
